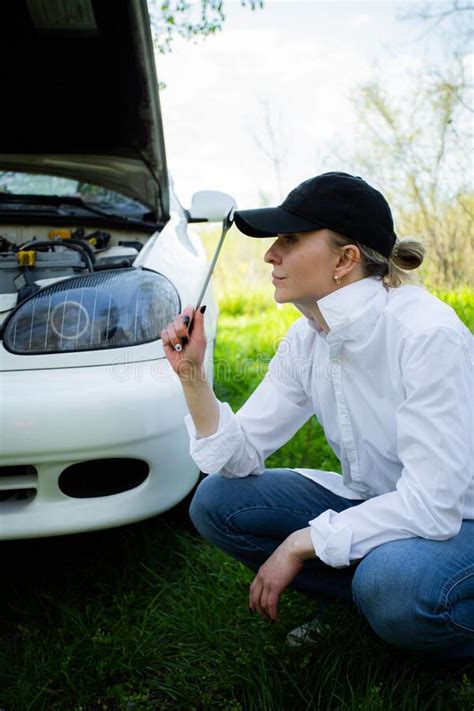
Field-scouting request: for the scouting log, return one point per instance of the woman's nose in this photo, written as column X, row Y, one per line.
column 271, row 255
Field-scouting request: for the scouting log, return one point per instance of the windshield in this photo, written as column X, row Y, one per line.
column 13, row 183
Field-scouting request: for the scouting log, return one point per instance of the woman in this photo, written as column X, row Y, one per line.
column 387, row 370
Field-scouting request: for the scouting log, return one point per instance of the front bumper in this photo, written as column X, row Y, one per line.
column 52, row 419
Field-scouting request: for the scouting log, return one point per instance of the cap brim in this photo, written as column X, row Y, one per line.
column 271, row 221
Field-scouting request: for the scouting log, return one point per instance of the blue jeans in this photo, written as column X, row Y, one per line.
column 415, row 593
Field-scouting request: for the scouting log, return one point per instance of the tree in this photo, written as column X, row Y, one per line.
column 436, row 15
column 271, row 142
column 454, row 21
column 184, row 18
column 421, row 145
column 419, row 150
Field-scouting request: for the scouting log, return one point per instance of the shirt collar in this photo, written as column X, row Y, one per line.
column 351, row 306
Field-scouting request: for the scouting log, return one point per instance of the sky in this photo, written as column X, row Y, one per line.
column 294, row 63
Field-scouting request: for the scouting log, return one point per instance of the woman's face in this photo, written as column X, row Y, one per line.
column 303, row 266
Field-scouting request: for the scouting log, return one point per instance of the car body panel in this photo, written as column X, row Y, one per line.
column 132, row 411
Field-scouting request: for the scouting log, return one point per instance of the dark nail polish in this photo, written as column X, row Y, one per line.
column 184, row 340
column 203, row 308
column 186, row 320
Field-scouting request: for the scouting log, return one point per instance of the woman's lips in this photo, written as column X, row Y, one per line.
column 275, row 278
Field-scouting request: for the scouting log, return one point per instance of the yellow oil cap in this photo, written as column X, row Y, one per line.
column 62, row 234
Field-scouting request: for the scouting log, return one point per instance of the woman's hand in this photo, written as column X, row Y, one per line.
column 188, row 362
column 277, row 573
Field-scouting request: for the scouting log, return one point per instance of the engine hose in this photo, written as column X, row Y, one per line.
column 75, row 247
column 82, row 243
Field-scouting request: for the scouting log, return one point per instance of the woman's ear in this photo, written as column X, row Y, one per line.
column 348, row 259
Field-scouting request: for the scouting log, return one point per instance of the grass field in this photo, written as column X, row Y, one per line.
column 152, row 617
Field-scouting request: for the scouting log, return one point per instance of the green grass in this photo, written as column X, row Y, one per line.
column 462, row 301
column 151, row 617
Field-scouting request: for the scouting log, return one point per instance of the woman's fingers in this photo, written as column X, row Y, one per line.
column 165, row 338
column 181, row 323
column 263, row 604
column 254, row 593
column 272, row 605
column 263, row 600
column 184, row 341
column 172, row 335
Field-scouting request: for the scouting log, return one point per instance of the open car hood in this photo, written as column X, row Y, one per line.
column 79, row 95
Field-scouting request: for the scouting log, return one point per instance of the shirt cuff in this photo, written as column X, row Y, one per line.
column 213, row 452
column 331, row 543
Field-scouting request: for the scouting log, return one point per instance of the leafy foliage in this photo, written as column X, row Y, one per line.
column 171, row 18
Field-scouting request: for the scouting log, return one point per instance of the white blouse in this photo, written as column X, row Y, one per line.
column 392, row 385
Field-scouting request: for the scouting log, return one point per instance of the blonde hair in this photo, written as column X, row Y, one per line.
column 407, row 254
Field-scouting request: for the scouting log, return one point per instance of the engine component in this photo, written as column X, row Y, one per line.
column 44, row 245
column 117, row 254
column 59, row 233
column 24, row 281
column 6, row 245
column 47, row 265
column 98, row 239
column 132, row 243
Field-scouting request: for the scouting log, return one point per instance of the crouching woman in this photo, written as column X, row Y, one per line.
column 387, row 369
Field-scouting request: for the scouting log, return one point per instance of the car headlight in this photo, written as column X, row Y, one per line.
column 123, row 307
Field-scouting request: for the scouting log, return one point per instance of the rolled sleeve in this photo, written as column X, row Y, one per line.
column 435, row 444
column 213, row 452
column 331, row 541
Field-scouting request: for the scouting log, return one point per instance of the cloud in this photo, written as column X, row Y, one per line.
column 360, row 20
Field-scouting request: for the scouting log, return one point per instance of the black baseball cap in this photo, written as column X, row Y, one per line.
column 336, row 201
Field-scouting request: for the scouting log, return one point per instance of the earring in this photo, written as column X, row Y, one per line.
column 337, row 279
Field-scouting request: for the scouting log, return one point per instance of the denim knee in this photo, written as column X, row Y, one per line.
column 204, row 504
column 378, row 602
column 399, row 606
column 390, row 603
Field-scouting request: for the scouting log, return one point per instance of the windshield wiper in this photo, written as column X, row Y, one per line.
column 55, row 202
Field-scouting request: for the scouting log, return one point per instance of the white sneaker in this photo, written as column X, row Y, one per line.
column 307, row 633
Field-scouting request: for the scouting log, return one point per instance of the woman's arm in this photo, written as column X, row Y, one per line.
column 188, row 364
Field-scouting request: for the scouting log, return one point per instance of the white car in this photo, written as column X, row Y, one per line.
column 96, row 257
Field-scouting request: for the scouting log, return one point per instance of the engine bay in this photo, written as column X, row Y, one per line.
column 34, row 256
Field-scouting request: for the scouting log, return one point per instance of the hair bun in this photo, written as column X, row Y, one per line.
column 407, row 254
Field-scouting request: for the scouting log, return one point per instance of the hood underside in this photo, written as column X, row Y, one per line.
column 79, row 95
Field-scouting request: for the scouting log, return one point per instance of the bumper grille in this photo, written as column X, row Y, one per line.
column 18, row 483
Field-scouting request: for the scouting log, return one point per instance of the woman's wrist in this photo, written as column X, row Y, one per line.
column 202, row 404
column 300, row 544
column 193, row 376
